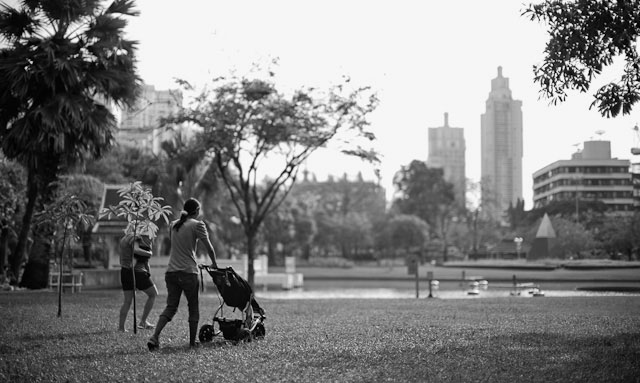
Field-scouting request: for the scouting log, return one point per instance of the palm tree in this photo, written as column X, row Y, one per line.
column 62, row 63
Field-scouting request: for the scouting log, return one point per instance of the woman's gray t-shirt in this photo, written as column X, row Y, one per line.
column 184, row 244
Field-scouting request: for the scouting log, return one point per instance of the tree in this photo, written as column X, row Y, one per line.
column 406, row 232
column 620, row 235
column 68, row 215
column 571, row 238
column 479, row 217
column 590, row 212
column 278, row 232
column 344, row 212
column 63, row 63
column 141, row 209
column 585, row 37
column 11, row 202
column 248, row 122
column 423, row 192
column 516, row 214
column 89, row 190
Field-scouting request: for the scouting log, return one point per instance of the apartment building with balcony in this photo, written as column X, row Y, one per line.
column 591, row 174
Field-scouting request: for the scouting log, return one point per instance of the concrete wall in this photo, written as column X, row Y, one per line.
column 100, row 279
column 110, row 278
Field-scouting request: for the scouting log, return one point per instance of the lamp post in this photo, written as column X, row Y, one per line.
column 518, row 241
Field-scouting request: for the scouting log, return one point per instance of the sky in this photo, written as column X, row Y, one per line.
column 423, row 58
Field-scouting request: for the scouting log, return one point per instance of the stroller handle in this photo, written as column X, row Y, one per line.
column 208, row 267
column 212, row 267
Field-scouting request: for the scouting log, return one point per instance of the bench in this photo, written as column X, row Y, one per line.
column 72, row 280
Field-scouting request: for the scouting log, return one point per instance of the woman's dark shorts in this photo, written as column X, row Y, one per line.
column 143, row 280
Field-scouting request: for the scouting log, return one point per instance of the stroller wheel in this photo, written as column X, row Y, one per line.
column 259, row 331
column 207, row 333
column 244, row 335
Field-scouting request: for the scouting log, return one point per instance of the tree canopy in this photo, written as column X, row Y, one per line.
column 258, row 137
column 585, row 37
column 423, row 192
column 61, row 64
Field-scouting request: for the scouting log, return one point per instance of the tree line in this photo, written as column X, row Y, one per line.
column 63, row 64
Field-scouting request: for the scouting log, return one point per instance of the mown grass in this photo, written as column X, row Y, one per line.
column 585, row 339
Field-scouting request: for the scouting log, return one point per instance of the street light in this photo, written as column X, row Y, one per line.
column 518, row 241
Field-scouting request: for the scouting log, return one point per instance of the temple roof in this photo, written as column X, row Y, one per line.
column 113, row 225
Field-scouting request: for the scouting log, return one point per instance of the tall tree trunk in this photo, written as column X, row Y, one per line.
column 4, row 247
column 251, row 244
column 271, row 253
column 18, row 253
column 306, row 251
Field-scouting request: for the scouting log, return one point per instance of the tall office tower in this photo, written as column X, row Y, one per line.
column 501, row 148
column 140, row 126
column 446, row 151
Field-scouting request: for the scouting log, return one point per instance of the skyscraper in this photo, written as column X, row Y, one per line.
column 501, row 148
column 446, row 151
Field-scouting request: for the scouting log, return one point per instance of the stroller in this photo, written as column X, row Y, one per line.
column 236, row 293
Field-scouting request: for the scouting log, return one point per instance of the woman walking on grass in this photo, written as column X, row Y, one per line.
column 141, row 251
column 182, row 271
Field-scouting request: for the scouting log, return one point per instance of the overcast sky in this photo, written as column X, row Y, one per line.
column 424, row 58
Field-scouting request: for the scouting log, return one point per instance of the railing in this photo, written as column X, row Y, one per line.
column 72, row 280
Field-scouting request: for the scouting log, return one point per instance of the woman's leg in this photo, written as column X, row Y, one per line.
column 152, row 293
column 191, row 292
column 174, row 291
column 124, row 309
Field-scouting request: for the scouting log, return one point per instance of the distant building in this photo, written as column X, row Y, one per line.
column 140, row 126
column 635, row 180
column 501, row 149
column 589, row 175
column 338, row 196
column 446, row 151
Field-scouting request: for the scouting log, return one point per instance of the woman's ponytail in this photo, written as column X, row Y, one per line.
column 191, row 207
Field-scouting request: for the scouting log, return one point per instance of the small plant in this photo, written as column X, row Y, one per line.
column 67, row 216
column 141, row 209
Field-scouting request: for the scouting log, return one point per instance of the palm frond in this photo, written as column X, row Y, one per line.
column 15, row 23
column 123, row 7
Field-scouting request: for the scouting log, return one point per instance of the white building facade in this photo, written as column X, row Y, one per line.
column 589, row 175
column 140, row 126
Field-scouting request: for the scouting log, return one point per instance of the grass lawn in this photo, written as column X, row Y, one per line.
column 581, row 339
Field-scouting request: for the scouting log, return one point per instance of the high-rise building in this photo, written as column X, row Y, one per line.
column 446, row 151
column 501, row 148
column 140, row 125
column 589, row 175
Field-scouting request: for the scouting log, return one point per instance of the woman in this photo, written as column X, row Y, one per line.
column 182, row 271
column 141, row 250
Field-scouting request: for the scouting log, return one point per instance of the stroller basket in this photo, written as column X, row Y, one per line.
column 237, row 293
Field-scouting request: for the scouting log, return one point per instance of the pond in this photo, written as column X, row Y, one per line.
column 445, row 290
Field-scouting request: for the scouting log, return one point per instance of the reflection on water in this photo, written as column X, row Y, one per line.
column 392, row 293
